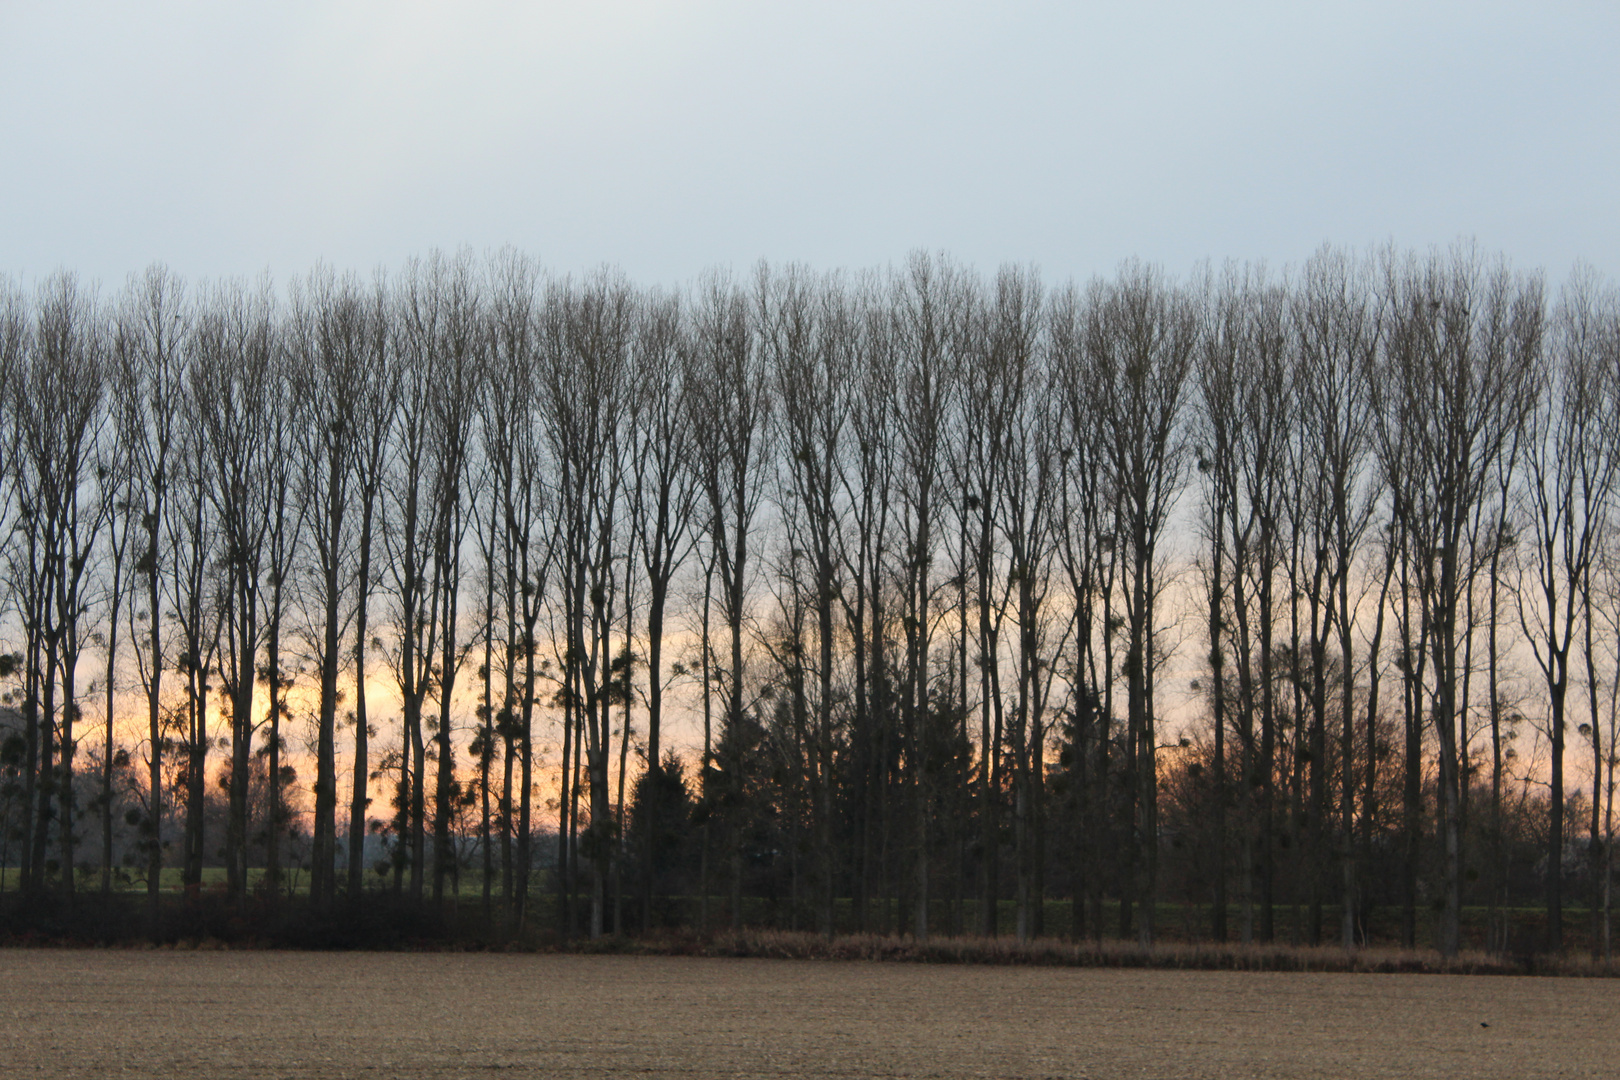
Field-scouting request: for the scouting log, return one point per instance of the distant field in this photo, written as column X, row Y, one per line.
column 208, row 1014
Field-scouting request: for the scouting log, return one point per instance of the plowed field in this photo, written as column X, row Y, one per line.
column 224, row 1014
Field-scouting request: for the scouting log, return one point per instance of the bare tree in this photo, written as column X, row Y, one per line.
column 1090, row 557
column 928, row 310
column 1218, row 426
column 808, row 339
column 905, row 490
column 585, row 370
column 149, row 348
column 1255, row 327
column 515, row 455
column 374, row 417
column 457, row 368
column 1451, row 384
column 1336, row 320
column 1140, row 343
column 58, row 390
column 123, row 520
column 993, row 378
column 331, row 342
column 410, row 539
column 663, row 501
column 1607, row 608
column 1026, row 509
column 1569, row 473
column 867, row 477
column 234, row 383
column 733, row 398
column 198, row 601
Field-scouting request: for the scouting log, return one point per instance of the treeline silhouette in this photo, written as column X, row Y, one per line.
column 1270, row 599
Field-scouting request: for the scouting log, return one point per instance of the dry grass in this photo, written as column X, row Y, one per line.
column 202, row 1014
column 1051, row 952
column 972, row 950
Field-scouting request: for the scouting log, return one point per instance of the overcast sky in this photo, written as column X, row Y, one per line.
column 667, row 137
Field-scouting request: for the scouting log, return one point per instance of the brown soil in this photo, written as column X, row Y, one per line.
column 268, row 1014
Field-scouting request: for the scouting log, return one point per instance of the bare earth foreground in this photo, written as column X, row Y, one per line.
column 267, row 1014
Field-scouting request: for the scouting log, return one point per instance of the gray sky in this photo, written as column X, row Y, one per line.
column 666, row 137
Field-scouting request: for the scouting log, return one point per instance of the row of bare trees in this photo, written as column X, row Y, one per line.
column 947, row 583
